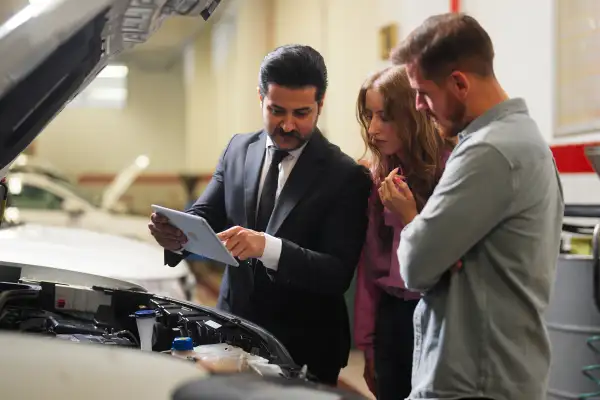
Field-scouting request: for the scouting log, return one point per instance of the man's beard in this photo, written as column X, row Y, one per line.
column 456, row 122
column 301, row 140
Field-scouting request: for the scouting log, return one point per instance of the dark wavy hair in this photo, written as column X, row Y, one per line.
column 294, row 66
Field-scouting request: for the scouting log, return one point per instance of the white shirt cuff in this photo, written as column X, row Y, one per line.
column 272, row 252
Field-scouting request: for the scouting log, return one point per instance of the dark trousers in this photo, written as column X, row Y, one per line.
column 326, row 376
column 393, row 347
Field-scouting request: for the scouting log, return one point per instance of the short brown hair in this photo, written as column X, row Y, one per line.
column 446, row 42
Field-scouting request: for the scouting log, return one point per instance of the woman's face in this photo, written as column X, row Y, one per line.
column 381, row 130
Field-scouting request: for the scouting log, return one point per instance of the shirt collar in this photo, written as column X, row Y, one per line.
column 294, row 153
column 499, row 111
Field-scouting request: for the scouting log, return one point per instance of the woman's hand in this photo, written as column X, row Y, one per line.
column 397, row 197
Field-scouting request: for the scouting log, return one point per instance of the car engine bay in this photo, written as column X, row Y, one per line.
column 106, row 316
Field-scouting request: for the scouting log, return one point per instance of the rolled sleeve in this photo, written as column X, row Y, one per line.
column 473, row 195
column 272, row 252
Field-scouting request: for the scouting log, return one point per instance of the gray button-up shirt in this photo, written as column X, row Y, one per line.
column 498, row 207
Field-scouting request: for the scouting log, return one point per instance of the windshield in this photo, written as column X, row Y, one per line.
column 23, row 164
column 24, row 194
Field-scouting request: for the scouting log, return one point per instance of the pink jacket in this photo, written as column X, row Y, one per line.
column 378, row 271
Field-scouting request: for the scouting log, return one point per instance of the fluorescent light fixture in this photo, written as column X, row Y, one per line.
column 114, row 71
column 109, row 94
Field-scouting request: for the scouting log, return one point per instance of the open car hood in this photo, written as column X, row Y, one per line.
column 117, row 188
column 84, row 328
column 58, row 46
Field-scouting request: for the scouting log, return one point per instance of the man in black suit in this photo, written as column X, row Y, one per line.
column 294, row 206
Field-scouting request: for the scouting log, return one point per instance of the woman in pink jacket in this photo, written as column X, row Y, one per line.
column 405, row 143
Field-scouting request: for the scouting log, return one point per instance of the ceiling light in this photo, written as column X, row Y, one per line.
column 108, row 94
column 114, row 71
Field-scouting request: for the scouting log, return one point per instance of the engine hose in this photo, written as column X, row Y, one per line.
column 589, row 370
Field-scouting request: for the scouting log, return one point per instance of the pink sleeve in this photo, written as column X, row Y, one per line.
column 366, row 297
column 365, row 306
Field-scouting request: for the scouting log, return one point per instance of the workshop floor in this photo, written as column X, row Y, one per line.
column 209, row 280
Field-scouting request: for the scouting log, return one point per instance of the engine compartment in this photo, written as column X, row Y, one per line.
column 105, row 316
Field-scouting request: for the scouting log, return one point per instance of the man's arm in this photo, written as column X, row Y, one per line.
column 210, row 206
column 330, row 270
column 473, row 195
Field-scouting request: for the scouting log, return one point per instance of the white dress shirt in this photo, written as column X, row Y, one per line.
column 272, row 252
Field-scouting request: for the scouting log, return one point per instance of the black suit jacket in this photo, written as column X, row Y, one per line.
column 320, row 217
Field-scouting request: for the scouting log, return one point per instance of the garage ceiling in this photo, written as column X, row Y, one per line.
column 173, row 31
column 165, row 46
column 163, row 49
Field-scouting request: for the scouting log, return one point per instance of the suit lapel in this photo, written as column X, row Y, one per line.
column 307, row 168
column 252, row 172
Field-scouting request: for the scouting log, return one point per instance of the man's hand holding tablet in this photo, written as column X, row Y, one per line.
column 176, row 231
column 168, row 236
column 241, row 242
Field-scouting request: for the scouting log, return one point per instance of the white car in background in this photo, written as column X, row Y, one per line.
column 34, row 164
column 83, row 251
column 42, row 195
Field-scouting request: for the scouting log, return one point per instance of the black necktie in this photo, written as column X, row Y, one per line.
column 267, row 196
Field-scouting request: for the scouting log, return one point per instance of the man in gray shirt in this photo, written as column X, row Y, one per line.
column 498, row 208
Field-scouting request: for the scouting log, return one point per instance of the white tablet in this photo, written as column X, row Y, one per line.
column 202, row 240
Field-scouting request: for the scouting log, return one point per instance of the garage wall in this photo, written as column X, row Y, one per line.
column 152, row 125
column 220, row 97
column 348, row 39
column 523, row 35
column 85, row 140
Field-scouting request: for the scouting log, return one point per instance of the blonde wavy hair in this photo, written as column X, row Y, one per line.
column 423, row 145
